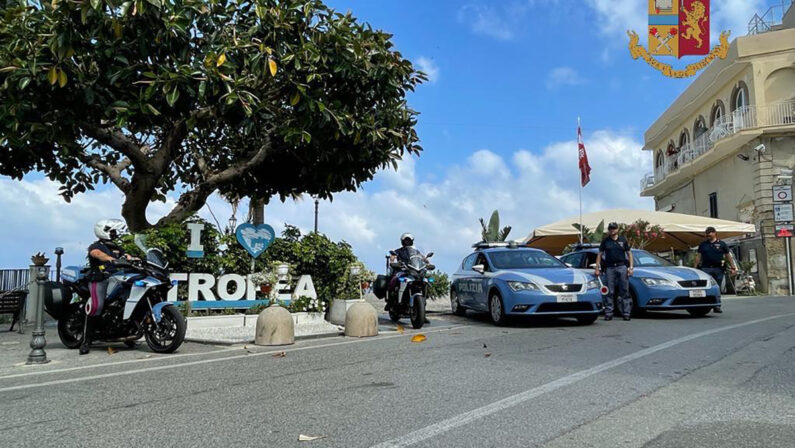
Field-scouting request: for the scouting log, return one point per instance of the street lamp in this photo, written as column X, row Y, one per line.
column 232, row 224
column 316, row 204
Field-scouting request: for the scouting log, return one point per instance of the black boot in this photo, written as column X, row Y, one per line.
column 717, row 310
column 85, row 347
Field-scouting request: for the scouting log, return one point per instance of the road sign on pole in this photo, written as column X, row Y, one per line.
column 782, row 193
column 785, row 230
column 782, row 212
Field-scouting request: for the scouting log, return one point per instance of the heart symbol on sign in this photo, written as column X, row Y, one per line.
column 255, row 239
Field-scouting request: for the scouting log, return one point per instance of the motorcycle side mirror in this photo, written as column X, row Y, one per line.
column 479, row 268
column 392, row 252
column 569, row 265
column 592, row 265
column 431, row 267
column 430, row 254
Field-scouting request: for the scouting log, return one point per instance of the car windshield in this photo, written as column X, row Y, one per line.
column 644, row 259
column 524, row 259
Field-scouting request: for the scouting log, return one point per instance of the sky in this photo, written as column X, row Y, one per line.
column 498, row 124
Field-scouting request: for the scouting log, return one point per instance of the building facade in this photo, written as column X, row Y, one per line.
column 723, row 144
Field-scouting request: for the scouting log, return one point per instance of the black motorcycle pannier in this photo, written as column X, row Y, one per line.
column 57, row 298
column 380, row 286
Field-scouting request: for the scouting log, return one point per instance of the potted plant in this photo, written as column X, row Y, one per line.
column 266, row 280
column 349, row 291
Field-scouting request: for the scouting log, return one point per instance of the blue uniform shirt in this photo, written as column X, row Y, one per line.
column 712, row 253
column 615, row 251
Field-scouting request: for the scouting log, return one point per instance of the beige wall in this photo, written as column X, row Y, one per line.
column 733, row 181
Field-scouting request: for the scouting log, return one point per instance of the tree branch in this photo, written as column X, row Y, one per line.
column 118, row 141
column 195, row 199
column 112, row 171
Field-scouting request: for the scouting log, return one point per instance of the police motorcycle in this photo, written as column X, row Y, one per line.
column 408, row 299
column 135, row 305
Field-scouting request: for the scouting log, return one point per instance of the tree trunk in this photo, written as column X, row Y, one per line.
column 136, row 201
column 256, row 211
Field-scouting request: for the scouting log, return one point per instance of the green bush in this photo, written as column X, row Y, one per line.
column 440, row 286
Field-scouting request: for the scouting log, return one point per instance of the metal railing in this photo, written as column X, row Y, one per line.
column 747, row 117
column 13, row 279
column 772, row 17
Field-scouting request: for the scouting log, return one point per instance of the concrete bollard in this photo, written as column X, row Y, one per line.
column 275, row 327
column 361, row 321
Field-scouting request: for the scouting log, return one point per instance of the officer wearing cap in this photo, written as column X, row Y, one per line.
column 711, row 256
column 619, row 265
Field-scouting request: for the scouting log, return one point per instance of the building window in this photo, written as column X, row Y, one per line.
column 718, row 111
column 740, row 96
column 699, row 128
column 684, row 139
column 658, row 163
column 713, row 205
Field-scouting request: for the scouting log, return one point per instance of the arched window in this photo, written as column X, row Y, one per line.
column 699, row 127
column 740, row 96
column 684, row 139
column 659, row 160
column 718, row 111
column 671, row 149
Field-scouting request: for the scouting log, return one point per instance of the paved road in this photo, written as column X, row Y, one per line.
column 665, row 381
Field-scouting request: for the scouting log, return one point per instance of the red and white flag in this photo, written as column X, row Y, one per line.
column 585, row 168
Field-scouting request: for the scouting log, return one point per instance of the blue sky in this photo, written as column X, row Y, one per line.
column 498, row 124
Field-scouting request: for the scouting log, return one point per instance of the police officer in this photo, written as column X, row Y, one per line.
column 619, row 266
column 712, row 253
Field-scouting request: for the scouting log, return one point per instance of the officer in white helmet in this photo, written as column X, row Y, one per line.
column 101, row 255
column 403, row 254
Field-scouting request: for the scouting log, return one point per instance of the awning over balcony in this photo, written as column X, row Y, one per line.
column 681, row 231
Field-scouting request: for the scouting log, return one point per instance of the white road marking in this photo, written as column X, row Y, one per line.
column 514, row 400
column 214, row 360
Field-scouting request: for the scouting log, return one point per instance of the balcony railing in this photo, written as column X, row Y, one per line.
column 748, row 117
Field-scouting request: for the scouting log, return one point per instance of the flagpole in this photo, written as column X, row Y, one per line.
column 578, row 158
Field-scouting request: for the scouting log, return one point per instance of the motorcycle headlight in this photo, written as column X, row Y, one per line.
column 593, row 284
column 657, row 282
column 522, row 286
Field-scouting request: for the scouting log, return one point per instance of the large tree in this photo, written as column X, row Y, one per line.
column 246, row 97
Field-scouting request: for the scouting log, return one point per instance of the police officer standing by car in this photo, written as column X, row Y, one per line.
column 711, row 256
column 619, row 266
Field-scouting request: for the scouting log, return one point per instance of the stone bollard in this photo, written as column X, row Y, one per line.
column 361, row 321
column 275, row 327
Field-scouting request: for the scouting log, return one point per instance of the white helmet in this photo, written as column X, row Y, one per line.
column 109, row 229
column 407, row 236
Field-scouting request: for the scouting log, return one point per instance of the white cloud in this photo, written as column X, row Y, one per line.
column 563, row 76
column 615, row 17
column 733, row 15
column 530, row 187
column 429, row 67
column 486, row 20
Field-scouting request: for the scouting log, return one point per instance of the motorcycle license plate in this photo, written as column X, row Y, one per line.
column 698, row 293
column 567, row 298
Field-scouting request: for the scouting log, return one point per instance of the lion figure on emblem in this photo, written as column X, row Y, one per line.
column 693, row 29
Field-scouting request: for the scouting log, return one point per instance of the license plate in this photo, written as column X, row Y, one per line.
column 698, row 293
column 567, row 298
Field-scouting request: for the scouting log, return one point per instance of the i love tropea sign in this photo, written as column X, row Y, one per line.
column 255, row 239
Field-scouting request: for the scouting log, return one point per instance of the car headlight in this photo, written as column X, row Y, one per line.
column 522, row 286
column 712, row 282
column 593, row 284
column 657, row 282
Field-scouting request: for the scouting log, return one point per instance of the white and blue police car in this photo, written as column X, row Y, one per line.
column 508, row 280
column 657, row 284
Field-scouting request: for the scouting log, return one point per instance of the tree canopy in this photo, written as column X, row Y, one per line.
column 245, row 97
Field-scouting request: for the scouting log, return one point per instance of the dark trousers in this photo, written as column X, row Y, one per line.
column 716, row 273
column 618, row 281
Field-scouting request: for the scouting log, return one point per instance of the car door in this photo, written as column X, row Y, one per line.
column 573, row 260
column 464, row 279
column 480, row 283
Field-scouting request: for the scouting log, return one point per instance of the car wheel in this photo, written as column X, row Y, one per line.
column 455, row 305
column 699, row 312
column 587, row 320
column 497, row 309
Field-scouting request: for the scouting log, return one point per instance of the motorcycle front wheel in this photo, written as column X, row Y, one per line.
column 167, row 335
column 418, row 312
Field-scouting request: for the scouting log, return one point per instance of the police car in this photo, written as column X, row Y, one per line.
column 508, row 280
column 657, row 284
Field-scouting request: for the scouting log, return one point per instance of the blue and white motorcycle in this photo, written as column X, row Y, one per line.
column 135, row 306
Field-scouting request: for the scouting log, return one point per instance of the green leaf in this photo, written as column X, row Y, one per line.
column 96, row 4
column 62, row 78
column 156, row 3
column 202, row 88
column 295, row 99
column 23, row 83
column 52, row 76
column 152, row 109
column 172, row 97
column 306, row 137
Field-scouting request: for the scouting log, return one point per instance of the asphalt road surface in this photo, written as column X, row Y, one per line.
column 667, row 380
